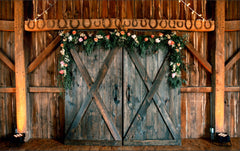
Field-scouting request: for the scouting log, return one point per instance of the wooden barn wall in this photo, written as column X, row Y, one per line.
column 232, row 76
column 47, row 109
column 7, row 76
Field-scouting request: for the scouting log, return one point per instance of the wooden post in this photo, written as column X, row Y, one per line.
column 20, row 69
column 219, row 64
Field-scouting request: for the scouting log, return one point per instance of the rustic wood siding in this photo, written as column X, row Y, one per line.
column 7, row 76
column 232, row 76
column 47, row 109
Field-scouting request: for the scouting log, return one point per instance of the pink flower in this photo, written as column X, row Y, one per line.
column 170, row 42
column 66, row 65
column 80, row 40
column 178, row 64
column 122, row 33
column 61, row 71
column 152, row 36
column 62, row 63
column 74, row 32
column 173, row 75
column 85, row 37
column 146, row 39
column 160, row 34
column 107, row 37
column 128, row 34
column 95, row 39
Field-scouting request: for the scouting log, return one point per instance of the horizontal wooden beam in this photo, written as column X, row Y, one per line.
column 46, row 90
column 207, row 89
column 59, row 90
column 8, row 90
column 6, row 25
column 43, row 54
column 114, row 23
column 7, row 61
column 232, row 89
column 196, row 89
column 233, row 25
column 232, row 61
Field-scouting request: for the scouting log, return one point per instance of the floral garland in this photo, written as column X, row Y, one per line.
column 144, row 44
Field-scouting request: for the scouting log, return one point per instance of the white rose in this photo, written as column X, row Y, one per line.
column 70, row 38
column 157, row 40
column 134, row 36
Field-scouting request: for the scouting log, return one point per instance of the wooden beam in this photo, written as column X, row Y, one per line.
column 232, row 61
column 232, row 89
column 114, row 23
column 44, row 54
column 59, row 90
column 196, row 89
column 7, row 90
column 20, row 70
column 7, row 61
column 46, row 90
column 198, row 56
column 233, row 25
column 219, row 66
column 6, row 25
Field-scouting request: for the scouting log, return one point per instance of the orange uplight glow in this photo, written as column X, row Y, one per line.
column 21, row 115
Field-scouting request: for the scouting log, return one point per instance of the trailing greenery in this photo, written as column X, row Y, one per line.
column 144, row 44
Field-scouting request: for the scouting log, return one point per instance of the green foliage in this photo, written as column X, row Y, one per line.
column 144, row 44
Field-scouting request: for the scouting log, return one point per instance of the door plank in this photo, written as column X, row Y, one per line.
column 93, row 92
column 144, row 75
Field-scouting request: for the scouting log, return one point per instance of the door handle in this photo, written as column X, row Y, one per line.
column 116, row 94
column 129, row 92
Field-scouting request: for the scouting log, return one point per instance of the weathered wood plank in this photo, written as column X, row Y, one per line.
column 151, row 142
column 93, row 92
column 232, row 61
column 6, row 25
column 198, row 56
column 44, row 54
column 196, row 89
column 219, row 70
column 7, row 90
column 151, row 94
column 7, row 61
column 109, row 23
column 46, row 90
column 233, row 25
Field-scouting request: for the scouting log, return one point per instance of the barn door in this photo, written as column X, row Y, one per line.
column 93, row 108
column 119, row 97
column 151, row 108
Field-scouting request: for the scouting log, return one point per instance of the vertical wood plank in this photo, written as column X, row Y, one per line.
column 219, row 70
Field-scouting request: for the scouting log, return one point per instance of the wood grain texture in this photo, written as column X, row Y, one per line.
column 6, row 25
column 44, row 54
column 187, row 144
column 7, row 61
column 20, row 71
column 93, row 92
column 113, row 23
column 146, row 110
column 219, row 69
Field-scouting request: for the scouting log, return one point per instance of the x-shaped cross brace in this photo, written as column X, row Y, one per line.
column 152, row 94
column 93, row 92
